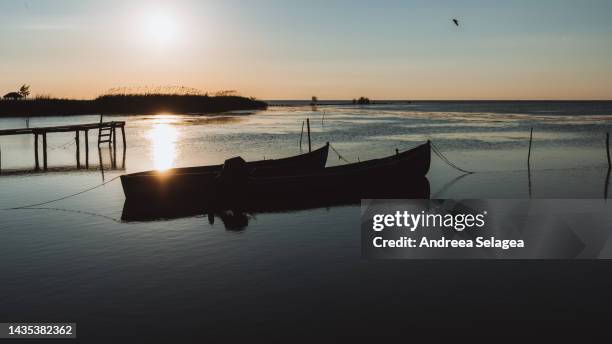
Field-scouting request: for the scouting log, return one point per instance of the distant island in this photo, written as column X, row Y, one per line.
column 127, row 104
column 314, row 102
column 362, row 101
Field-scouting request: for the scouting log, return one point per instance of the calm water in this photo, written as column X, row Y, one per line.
column 297, row 273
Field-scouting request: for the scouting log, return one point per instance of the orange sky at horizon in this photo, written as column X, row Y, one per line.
column 402, row 50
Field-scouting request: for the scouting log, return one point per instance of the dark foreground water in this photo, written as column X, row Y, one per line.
column 299, row 274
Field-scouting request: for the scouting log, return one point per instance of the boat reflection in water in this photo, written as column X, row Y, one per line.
column 236, row 216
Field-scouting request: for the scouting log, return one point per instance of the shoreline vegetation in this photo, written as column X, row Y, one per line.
column 129, row 104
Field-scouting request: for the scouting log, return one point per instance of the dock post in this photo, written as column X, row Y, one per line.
column 113, row 154
column 529, row 154
column 87, row 148
column 36, row 152
column 44, row 151
column 608, row 149
column 114, row 132
column 124, row 146
column 123, row 136
column 78, row 149
column 101, row 162
column 308, row 126
column 0, row 159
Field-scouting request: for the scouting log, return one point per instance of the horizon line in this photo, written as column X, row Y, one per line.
column 446, row 100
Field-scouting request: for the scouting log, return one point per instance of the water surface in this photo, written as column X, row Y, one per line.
column 299, row 272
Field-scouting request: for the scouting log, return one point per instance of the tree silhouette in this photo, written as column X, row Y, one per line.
column 24, row 90
column 363, row 101
column 12, row 96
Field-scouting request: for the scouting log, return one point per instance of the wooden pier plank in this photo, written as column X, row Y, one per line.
column 59, row 129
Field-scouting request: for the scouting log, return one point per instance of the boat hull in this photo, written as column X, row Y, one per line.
column 388, row 177
column 193, row 183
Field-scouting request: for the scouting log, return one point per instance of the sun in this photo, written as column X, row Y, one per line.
column 160, row 26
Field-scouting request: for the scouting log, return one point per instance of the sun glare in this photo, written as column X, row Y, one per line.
column 160, row 27
column 163, row 137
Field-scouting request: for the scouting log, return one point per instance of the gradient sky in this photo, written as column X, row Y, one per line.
column 288, row 49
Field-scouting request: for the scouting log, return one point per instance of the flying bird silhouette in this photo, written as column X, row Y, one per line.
column 456, row 21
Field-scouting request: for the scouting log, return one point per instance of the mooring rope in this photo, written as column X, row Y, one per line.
column 64, row 197
column 62, row 146
column 338, row 154
column 434, row 148
column 81, row 212
column 446, row 160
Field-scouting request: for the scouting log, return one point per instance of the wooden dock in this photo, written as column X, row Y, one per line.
column 107, row 133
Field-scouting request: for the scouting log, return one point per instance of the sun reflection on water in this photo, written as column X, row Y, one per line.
column 163, row 137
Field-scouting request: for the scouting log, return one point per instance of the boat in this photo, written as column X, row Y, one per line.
column 401, row 175
column 377, row 178
column 191, row 183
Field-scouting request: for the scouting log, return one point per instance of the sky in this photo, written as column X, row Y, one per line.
column 332, row 49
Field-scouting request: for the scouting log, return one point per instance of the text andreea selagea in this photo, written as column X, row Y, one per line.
column 424, row 242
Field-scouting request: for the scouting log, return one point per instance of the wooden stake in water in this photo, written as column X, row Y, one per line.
column 308, row 125
column 529, row 181
column 606, row 185
column 529, row 154
column 0, row 160
column 608, row 149
column 78, row 149
column 301, row 134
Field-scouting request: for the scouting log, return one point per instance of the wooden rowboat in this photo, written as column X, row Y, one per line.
column 198, row 182
column 401, row 175
column 378, row 178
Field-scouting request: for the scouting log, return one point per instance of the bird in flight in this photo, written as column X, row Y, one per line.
column 456, row 21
